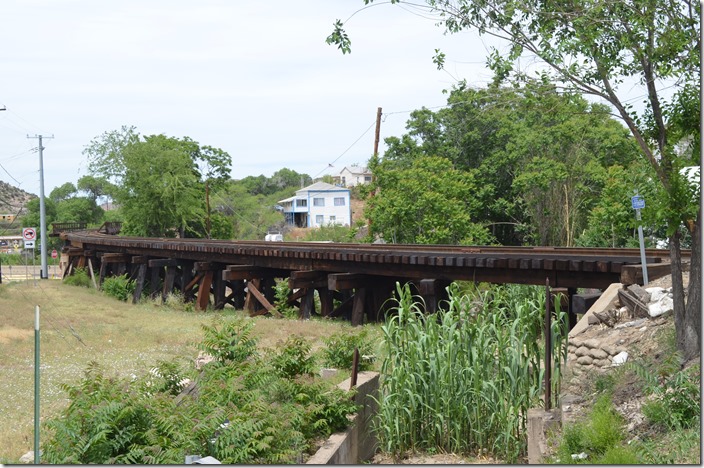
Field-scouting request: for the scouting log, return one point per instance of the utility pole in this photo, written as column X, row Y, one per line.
column 378, row 130
column 42, row 209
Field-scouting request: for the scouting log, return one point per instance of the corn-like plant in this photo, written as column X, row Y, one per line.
column 462, row 380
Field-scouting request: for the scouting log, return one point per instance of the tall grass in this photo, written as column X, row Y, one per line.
column 462, row 380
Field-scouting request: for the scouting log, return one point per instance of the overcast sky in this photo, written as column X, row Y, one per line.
column 253, row 78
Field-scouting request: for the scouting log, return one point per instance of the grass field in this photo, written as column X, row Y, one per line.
column 80, row 325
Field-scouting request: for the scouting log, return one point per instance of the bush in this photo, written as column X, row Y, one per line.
column 231, row 343
column 239, row 412
column 600, row 435
column 281, row 293
column 293, row 358
column 119, row 287
column 339, row 350
column 677, row 402
column 78, row 278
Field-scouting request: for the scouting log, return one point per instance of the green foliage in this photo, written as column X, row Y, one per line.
column 331, row 233
column 230, row 342
column 676, row 403
column 159, row 181
column 428, row 202
column 601, row 435
column 119, row 287
column 281, row 295
column 237, row 410
column 293, row 358
column 463, row 380
column 79, row 277
column 339, row 350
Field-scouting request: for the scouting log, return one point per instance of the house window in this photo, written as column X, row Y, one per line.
column 301, row 202
column 339, row 201
column 367, row 178
column 343, row 180
column 332, row 220
column 319, row 220
column 318, row 202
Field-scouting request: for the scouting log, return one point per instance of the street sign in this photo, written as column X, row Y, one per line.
column 28, row 244
column 638, row 202
column 29, row 234
column 53, row 254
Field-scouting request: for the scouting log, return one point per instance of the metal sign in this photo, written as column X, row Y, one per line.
column 29, row 244
column 29, row 234
column 638, row 202
column 53, row 254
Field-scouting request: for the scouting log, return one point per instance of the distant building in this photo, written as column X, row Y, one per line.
column 317, row 205
column 8, row 218
column 351, row 176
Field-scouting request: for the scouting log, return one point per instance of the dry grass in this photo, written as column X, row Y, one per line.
column 79, row 325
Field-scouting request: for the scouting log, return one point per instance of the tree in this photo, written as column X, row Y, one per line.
column 606, row 49
column 158, row 181
column 538, row 153
column 429, row 202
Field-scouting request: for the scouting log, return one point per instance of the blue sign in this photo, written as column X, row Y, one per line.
column 638, row 202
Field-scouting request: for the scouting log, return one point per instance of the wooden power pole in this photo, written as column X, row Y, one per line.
column 378, row 129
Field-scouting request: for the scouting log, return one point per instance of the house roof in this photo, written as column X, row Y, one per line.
column 317, row 187
column 356, row 170
column 321, row 187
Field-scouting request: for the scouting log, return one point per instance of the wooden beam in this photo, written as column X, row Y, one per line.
column 204, row 291
column 92, row 275
column 338, row 281
column 360, row 296
column 247, row 272
column 252, row 288
column 163, row 262
column 633, row 274
column 114, row 258
column 139, row 283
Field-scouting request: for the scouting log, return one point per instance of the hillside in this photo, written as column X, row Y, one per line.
column 13, row 200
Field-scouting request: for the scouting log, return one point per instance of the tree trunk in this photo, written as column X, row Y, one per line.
column 693, row 318
column 687, row 313
column 677, row 289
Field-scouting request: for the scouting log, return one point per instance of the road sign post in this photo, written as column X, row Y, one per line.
column 638, row 203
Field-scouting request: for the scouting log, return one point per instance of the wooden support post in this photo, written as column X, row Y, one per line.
column 253, row 290
column 169, row 279
column 139, row 283
column 218, row 289
column 250, row 302
column 92, row 275
column 204, row 290
column 326, row 301
column 307, row 304
column 358, row 304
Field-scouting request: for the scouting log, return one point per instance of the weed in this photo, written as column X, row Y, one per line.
column 339, row 350
column 293, row 358
column 78, row 278
column 119, row 287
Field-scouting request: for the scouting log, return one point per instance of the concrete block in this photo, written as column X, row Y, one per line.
column 540, row 423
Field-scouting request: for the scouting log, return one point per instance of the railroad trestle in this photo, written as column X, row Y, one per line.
column 353, row 281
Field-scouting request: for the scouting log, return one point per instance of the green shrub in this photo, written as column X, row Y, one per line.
column 600, row 434
column 339, row 350
column 677, row 402
column 281, row 294
column 119, row 287
column 79, row 277
column 293, row 358
column 231, row 342
column 239, row 412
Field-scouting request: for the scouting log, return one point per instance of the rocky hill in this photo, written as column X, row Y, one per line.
column 13, row 200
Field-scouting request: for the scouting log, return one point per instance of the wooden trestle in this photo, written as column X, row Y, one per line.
column 358, row 278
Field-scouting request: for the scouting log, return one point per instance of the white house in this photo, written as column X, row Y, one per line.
column 318, row 205
column 351, row 176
